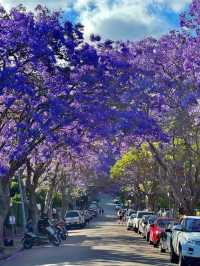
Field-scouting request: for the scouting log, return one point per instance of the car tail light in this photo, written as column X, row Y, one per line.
column 157, row 232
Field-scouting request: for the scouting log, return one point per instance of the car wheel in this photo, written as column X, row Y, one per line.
column 162, row 250
column 27, row 244
column 182, row 260
column 147, row 237
column 173, row 256
column 155, row 245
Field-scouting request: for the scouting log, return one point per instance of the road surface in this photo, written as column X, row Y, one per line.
column 103, row 243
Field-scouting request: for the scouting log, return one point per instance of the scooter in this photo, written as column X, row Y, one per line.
column 61, row 230
column 49, row 235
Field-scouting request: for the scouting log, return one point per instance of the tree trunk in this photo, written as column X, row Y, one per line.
column 49, row 196
column 33, row 209
column 65, row 196
column 4, row 206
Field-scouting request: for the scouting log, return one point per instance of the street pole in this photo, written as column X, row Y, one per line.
column 147, row 202
column 12, row 222
column 168, row 194
column 22, row 201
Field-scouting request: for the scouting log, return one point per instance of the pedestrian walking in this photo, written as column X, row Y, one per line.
column 123, row 216
column 120, row 217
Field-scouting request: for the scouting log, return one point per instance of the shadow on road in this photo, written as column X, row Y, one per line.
column 83, row 250
column 103, row 242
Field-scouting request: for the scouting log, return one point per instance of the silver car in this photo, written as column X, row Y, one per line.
column 74, row 218
column 129, row 223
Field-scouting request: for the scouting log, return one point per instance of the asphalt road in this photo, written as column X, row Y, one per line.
column 103, row 243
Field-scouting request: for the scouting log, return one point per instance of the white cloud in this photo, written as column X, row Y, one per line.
column 175, row 5
column 126, row 19
column 115, row 19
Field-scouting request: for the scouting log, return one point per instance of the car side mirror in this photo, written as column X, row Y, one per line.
column 168, row 230
column 178, row 227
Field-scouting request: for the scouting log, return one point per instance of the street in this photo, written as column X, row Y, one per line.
column 104, row 243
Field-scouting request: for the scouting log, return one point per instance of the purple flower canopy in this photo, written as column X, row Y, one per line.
column 55, row 88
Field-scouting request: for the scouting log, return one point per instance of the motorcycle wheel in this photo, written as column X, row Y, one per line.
column 63, row 237
column 27, row 244
column 55, row 241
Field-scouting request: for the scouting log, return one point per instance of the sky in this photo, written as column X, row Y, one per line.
column 116, row 19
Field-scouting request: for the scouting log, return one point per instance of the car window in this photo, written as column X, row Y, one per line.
column 140, row 214
column 193, row 225
column 164, row 223
column 152, row 219
column 146, row 218
column 71, row 214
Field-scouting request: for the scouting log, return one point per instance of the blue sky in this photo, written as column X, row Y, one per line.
column 117, row 19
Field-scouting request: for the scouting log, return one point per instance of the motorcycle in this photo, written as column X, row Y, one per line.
column 61, row 230
column 47, row 235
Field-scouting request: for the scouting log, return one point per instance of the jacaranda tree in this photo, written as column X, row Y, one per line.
column 46, row 93
column 55, row 88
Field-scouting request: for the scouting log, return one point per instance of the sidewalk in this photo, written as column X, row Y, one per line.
column 10, row 251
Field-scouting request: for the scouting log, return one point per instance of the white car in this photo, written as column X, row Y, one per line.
column 129, row 212
column 74, row 218
column 185, row 242
column 138, row 217
column 129, row 224
column 118, row 207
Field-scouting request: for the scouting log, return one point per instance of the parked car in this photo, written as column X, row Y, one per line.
column 93, row 212
column 129, row 223
column 118, row 206
column 185, row 242
column 150, row 220
column 116, row 201
column 143, row 224
column 74, row 218
column 158, row 228
column 88, row 216
column 93, row 206
column 165, row 238
column 129, row 212
column 138, row 217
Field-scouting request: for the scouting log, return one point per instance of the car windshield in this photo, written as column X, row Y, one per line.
column 71, row 214
column 145, row 218
column 130, row 213
column 152, row 219
column 193, row 225
column 165, row 223
column 141, row 214
column 133, row 215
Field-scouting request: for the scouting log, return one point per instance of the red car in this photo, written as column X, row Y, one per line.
column 157, row 228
